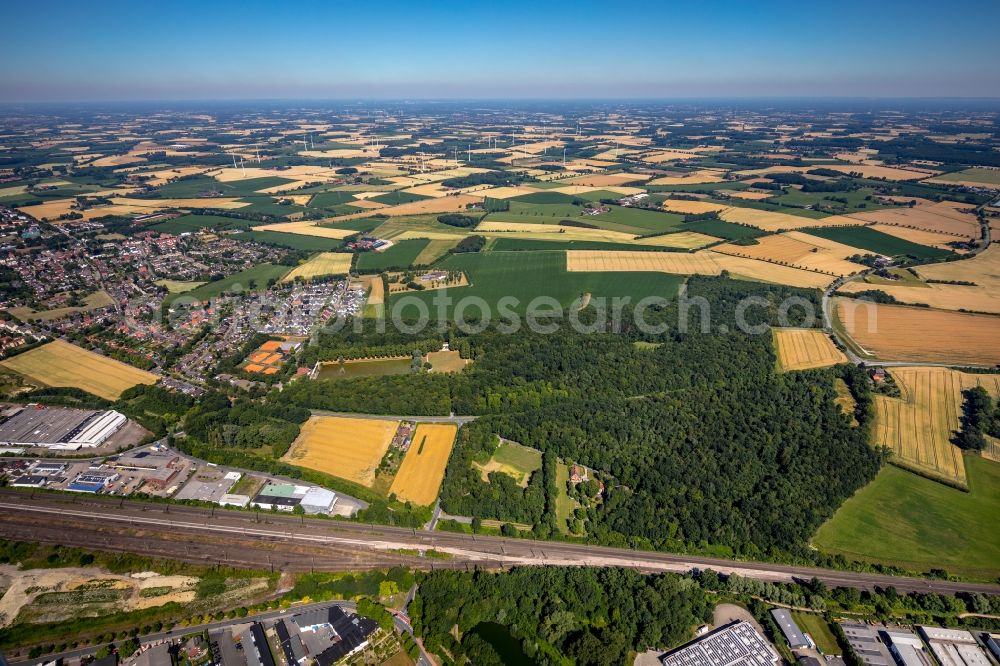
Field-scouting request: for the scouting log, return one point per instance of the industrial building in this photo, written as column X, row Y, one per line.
column 318, row 500
column 796, row 639
column 59, row 428
column 906, row 647
column 93, row 481
column 329, row 634
column 287, row 496
column 866, row 643
column 736, row 644
column 954, row 647
column 279, row 496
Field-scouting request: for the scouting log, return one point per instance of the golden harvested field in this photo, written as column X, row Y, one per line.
column 799, row 250
column 941, row 296
column 945, row 218
column 59, row 363
column 307, row 229
column 446, row 361
column 448, row 204
column 748, row 195
column 772, row 221
column 983, row 270
column 324, row 263
column 686, row 207
column 704, row 262
column 919, row 425
column 552, row 232
column 50, row 210
column 866, row 170
column 605, row 179
column 922, row 335
column 226, row 203
column 690, row 240
column 804, row 348
column 694, row 178
column 624, row 190
column 347, row 448
column 661, row 156
column 420, row 475
column 506, row 192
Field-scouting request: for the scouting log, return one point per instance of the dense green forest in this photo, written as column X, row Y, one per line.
column 554, row 615
column 698, row 440
column 586, row 616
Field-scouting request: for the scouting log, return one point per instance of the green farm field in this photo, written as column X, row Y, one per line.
column 527, row 275
column 400, row 255
column 192, row 187
column 912, row 522
column 974, row 175
column 259, row 274
column 192, row 223
column 291, row 241
column 876, row 241
column 722, row 229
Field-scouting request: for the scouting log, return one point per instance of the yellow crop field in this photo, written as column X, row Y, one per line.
column 690, row 240
column 772, row 221
column 348, row 448
column 60, row 363
column 50, row 210
column 921, row 335
column 704, row 262
column 226, row 203
column 748, row 195
column 306, row 229
column 799, row 250
column 604, row 179
column 804, row 348
column 945, row 217
column 694, row 178
column 685, row 207
column 422, row 471
column 324, row 263
column 919, row 425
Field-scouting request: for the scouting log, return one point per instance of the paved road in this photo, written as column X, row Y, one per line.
column 285, row 536
column 458, row 420
column 827, row 305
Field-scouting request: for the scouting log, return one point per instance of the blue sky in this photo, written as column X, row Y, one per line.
column 53, row 51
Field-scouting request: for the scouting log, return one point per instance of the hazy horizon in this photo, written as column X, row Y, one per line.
column 119, row 51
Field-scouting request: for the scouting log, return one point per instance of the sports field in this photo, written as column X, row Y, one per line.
column 804, row 348
column 324, row 263
column 420, row 475
column 921, row 335
column 919, row 524
column 446, row 361
column 60, row 363
column 347, row 448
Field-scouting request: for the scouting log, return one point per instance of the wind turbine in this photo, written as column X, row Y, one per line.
column 564, row 157
column 233, row 155
column 304, row 145
column 470, row 153
column 243, row 167
column 257, row 150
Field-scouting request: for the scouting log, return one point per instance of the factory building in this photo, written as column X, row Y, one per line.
column 59, row 428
